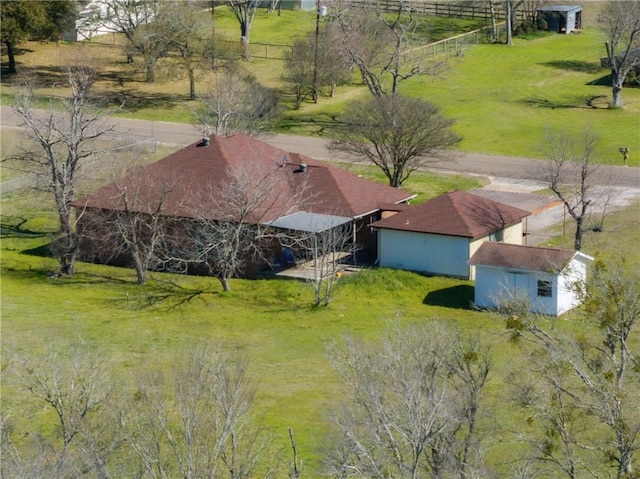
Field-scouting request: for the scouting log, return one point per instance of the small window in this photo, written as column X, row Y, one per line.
column 497, row 236
column 544, row 289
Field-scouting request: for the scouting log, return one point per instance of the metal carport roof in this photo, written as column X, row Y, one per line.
column 309, row 222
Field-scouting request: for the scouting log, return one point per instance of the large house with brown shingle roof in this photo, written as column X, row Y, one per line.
column 293, row 189
column 546, row 278
column 439, row 236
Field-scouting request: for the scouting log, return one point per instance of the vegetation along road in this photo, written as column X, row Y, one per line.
column 482, row 164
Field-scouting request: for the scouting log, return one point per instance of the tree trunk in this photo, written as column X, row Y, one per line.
column 494, row 24
column 12, row 58
column 192, row 85
column 225, row 284
column 244, row 40
column 616, row 83
column 508, row 25
column 141, row 274
column 577, row 245
column 66, row 243
column 150, row 73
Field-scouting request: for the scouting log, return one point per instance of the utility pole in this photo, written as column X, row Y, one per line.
column 316, row 86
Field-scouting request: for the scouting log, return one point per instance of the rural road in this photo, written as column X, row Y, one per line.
column 473, row 163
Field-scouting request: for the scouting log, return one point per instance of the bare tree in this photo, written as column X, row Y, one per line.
column 411, row 412
column 380, row 43
column 236, row 102
column 65, row 142
column 233, row 235
column 245, row 12
column 135, row 233
column 299, row 70
column 74, row 384
column 620, row 24
column 196, row 423
column 570, row 174
column 586, row 382
column 195, row 48
column 398, row 134
column 316, row 59
column 326, row 243
column 144, row 23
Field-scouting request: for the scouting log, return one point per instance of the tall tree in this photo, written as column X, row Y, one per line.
column 245, row 12
column 316, row 62
column 570, row 175
column 380, row 44
column 398, row 134
column 620, row 24
column 413, row 404
column 232, row 236
column 22, row 20
column 64, row 142
column 196, row 47
column 145, row 25
column 196, row 422
column 236, row 102
column 586, row 380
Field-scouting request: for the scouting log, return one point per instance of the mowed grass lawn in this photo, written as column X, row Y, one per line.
column 270, row 322
column 503, row 99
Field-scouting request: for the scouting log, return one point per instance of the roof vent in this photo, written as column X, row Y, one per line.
column 303, row 167
column 205, row 141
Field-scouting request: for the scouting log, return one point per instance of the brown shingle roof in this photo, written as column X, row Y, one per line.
column 454, row 214
column 529, row 258
column 193, row 176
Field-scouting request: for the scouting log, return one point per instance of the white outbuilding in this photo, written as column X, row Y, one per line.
column 549, row 279
column 439, row 236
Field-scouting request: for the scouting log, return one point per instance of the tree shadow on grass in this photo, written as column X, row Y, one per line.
column 13, row 227
column 455, row 297
column 42, row 76
column 163, row 294
column 577, row 103
column 131, row 101
column 575, row 65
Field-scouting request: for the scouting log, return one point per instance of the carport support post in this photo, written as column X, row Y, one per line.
column 354, row 245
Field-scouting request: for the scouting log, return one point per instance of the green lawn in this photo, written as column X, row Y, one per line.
column 271, row 321
column 503, row 99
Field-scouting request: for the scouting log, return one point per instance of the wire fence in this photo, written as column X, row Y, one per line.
column 453, row 46
column 472, row 10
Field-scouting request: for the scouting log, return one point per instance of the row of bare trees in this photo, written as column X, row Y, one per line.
column 414, row 403
column 193, row 422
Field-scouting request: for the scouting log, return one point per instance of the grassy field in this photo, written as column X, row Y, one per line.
column 502, row 98
column 270, row 321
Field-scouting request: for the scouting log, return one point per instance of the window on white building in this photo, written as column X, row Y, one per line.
column 544, row 288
